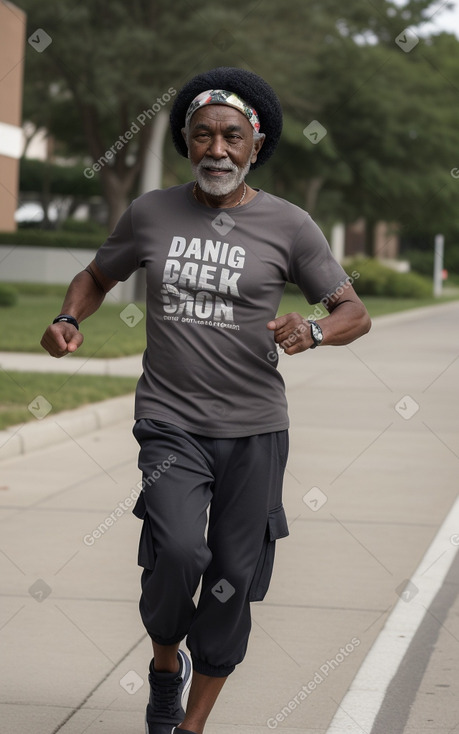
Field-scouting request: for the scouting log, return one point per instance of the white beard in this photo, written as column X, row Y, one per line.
column 219, row 187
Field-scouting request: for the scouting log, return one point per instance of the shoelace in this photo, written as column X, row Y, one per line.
column 165, row 695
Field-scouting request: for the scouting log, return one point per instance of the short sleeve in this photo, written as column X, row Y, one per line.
column 117, row 257
column 312, row 266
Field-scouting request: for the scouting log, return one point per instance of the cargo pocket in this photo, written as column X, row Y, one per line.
column 147, row 553
column 276, row 528
column 140, row 509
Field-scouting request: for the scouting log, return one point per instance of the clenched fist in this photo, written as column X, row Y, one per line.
column 61, row 339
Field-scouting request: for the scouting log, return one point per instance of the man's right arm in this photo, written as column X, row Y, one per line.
column 84, row 296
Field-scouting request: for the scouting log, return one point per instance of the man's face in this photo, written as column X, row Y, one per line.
column 221, row 148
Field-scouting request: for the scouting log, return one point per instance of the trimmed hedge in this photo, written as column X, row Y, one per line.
column 423, row 261
column 8, row 295
column 376, row 279
column 40, row 289
column 83, row 227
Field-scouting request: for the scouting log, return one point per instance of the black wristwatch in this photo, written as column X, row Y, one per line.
column 316, row 334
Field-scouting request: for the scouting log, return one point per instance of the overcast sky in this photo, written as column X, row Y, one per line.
column 441, row 18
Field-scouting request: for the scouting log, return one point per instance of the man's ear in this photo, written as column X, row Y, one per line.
column 185, row 135
column 257, row 147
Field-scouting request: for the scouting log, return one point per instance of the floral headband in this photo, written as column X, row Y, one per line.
column 222, row 96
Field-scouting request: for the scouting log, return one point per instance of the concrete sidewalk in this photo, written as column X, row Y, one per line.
column 71, row 364
column 372, row 473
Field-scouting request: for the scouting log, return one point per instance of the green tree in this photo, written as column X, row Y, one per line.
column 106, row 66
column 338, row 64
column 393, row 126
column 389, row 115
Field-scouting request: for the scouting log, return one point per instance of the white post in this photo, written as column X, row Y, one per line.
column 438, row 265
column 337, row 239
column 152, row 173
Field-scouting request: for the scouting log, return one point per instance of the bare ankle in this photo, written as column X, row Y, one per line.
column 165, row 658
column 165, row 667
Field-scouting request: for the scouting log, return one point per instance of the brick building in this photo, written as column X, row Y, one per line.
column 12, row 42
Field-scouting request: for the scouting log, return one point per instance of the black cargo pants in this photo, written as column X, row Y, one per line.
column 231, row 550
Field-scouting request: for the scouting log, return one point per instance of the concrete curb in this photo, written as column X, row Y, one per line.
column 72, row 365
column 27, row 437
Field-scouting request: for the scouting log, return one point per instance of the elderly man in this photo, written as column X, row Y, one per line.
column 210, row 404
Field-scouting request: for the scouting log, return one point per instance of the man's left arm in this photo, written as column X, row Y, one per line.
column 348, row 319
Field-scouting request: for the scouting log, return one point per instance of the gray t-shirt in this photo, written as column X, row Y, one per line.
column 215, row 277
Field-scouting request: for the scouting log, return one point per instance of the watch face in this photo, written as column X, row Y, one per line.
column 316, row 333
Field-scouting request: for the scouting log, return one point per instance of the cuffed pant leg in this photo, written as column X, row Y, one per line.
column 173, row 550
column 248, row 486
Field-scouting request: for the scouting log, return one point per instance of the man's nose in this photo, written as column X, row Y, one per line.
column 217, row 147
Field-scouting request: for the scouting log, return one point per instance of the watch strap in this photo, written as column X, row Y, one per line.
column 68, row 319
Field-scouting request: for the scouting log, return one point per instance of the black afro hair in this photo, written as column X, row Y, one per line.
column 251, row 87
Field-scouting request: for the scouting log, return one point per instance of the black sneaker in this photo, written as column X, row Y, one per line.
column 167, row 694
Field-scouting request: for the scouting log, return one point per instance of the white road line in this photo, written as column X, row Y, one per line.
column 361, row 704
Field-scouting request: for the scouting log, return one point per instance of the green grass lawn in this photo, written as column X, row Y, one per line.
column 107, row 335
column 63, row 392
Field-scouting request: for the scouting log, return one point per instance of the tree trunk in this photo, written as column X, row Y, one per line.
column 370, row 226
column 118, row 179
column 116, row 192
column 75, row 202
column 45, row 195
column 313, row 187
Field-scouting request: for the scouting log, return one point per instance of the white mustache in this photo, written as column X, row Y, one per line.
column 217, row 166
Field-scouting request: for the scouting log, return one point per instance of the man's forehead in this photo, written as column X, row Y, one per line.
column 221, row 115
